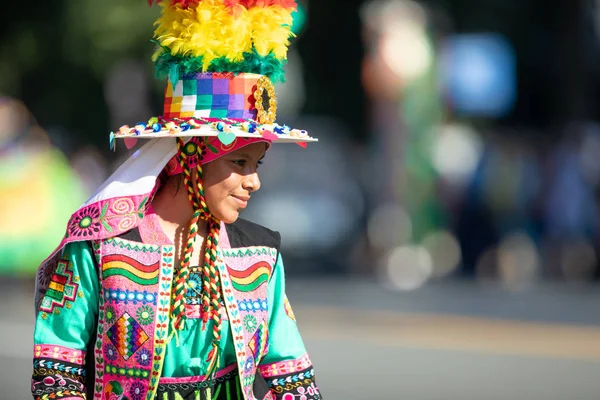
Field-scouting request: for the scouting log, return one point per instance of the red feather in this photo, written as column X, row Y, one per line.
column 234, row 3
column 183, row 3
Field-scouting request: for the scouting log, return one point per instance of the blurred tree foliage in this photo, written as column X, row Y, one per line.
column 55, row 56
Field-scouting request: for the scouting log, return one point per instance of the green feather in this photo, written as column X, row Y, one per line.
column 174, row 74
column 253, row 63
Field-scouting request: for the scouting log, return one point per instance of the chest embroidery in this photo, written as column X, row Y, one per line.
column 251, row 278
column 122, row 265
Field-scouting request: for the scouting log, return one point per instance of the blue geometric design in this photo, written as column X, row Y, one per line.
column 253, row 305
column 129, row 296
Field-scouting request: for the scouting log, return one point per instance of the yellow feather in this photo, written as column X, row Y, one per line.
column 213, row 30
column 271, row 30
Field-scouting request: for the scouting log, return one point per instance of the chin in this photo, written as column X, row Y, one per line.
column 229, row 217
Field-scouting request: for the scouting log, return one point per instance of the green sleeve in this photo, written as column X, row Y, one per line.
column 286, row 359
column 65, row 323
column 285, row 342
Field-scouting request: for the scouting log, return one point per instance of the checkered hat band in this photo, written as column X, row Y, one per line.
column 212, row 95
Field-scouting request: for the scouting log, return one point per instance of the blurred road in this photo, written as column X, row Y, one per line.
column 443, row 342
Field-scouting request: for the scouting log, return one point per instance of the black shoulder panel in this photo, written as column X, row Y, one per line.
column 243, row 233
column 132, row 235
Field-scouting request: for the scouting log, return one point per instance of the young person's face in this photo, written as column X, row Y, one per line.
column 229, row 181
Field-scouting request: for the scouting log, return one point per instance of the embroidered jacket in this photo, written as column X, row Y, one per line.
column 102, row 328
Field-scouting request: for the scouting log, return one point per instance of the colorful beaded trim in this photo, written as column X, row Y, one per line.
column 225, row 129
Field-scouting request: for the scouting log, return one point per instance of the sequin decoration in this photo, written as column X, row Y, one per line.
column 266, row 101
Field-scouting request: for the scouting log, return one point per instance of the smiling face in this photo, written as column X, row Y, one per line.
column 230, row 180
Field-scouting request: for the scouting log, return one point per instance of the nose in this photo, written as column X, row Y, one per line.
column 251, row 182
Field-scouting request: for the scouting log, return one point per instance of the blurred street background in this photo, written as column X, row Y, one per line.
column 441, row 241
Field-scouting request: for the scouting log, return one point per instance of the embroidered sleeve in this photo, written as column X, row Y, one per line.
column 64, row 323
column 286, row 367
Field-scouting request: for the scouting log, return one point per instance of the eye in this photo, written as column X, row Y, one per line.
column 241, row 163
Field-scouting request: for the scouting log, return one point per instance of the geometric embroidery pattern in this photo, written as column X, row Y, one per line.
column 127, row 336
column 259, row 341
column 61, row 289
column 249, row 252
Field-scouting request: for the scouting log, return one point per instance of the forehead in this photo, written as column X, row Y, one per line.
column 254, row 150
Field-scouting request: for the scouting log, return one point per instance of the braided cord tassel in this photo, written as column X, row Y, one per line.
column 215, row 285
column 187, row 174
column 181, row 281
column 181, row 284
column 205, row 268
column 211, row 282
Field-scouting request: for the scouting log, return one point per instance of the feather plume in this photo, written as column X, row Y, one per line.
column 223, row 36
column 261, row 3
column 234, row 3
column 182, row 3
column 212, row 30
column 252, row 63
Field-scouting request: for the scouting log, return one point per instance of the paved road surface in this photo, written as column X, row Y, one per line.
column 444, row 342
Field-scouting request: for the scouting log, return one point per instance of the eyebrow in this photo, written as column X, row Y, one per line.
column 246, row 155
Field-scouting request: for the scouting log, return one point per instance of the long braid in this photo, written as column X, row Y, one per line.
column 187, row 173
column 178, row 304
column 181, row 281
column 215, row 285
column 210, row 278
column 211, row 282
column 205, row 267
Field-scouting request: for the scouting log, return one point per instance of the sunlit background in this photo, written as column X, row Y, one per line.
column 441, row 240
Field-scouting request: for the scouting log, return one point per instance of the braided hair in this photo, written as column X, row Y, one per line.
column 189, row 154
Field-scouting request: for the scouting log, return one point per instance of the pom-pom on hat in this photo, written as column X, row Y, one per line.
column 220, row 59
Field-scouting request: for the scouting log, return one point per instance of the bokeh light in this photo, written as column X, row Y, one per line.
column 445, row 252
column 408, row 267
column 518, row 261
column 456, row 152
column 389, row 226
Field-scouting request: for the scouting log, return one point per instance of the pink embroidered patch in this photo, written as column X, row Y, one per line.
column 285, row 367
column 59, row 353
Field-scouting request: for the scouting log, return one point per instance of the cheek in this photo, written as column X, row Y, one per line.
column 215, row 196
column 212, row 197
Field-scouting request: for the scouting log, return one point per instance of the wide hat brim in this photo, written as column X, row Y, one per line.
column 226, row 131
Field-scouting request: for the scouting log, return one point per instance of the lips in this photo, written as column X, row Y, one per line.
column 242, row 201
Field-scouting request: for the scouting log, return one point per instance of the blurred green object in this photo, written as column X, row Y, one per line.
column 38, row 193
column 299, row 19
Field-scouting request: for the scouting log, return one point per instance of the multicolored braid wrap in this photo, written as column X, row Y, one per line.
column 238, row 36
column 189, row 154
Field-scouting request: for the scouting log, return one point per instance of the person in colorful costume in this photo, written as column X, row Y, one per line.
column 158, row 289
